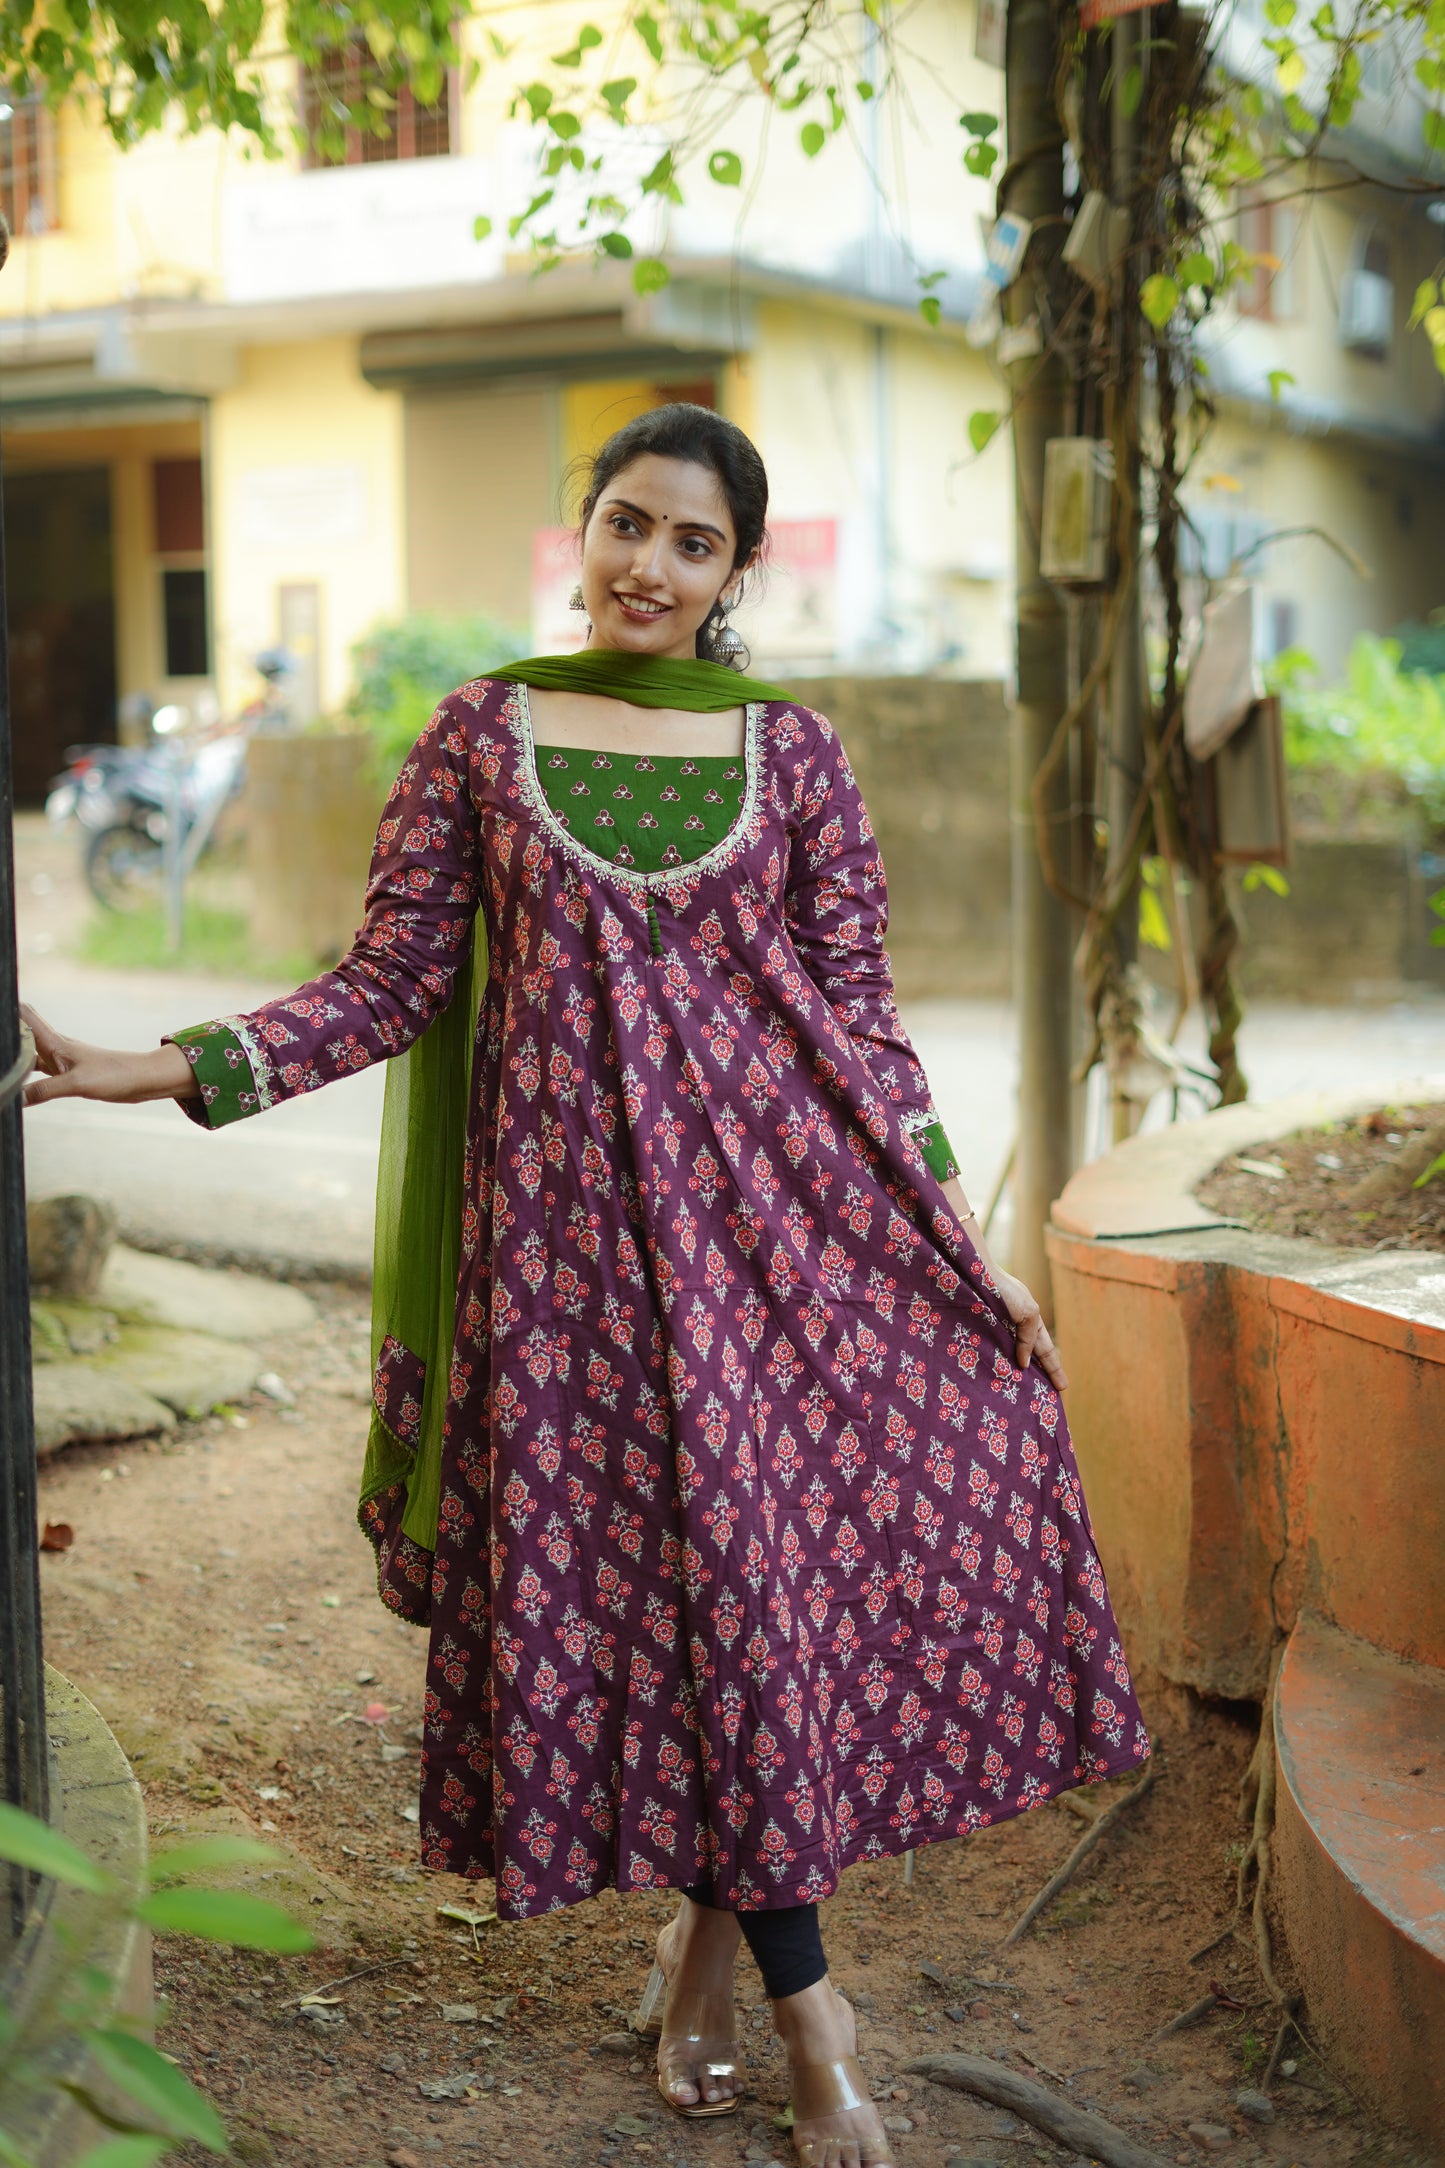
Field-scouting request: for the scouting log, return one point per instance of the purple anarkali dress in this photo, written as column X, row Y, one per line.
column 757, row 1553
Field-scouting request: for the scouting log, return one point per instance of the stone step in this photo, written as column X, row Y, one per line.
column 1360, row 1853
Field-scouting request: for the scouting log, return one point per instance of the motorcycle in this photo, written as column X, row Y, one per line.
column 127, row 799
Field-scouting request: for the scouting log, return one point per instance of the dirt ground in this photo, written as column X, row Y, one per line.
column 1306, row 1184
column 218, row 1605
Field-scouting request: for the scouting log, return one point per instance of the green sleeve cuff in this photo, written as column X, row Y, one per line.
column 937, row 1150
column 222, row 1068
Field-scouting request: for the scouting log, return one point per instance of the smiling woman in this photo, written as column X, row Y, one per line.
column 725, row 1468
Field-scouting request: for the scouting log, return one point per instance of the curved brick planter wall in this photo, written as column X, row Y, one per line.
column 97, row 1804
column 1261, row 1426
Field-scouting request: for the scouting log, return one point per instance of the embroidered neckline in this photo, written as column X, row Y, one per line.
column 518, row 716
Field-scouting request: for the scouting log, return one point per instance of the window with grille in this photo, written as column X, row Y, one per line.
column 1270, row 232
column 27, row 165
column 347, row 75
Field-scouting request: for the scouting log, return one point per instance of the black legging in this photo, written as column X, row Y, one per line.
column 787, row 1944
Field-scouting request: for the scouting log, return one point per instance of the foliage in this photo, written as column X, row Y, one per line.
column 1422, row 647
column 215, row 939
column 403, row 668
column 1383, row 719
column 143, row 64
column 148, row 2103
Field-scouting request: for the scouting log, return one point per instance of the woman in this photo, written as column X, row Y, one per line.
column 726, row 1468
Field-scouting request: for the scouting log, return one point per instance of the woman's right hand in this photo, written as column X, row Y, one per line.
column 72, row 1070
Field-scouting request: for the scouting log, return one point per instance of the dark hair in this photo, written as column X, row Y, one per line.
column 695, row 433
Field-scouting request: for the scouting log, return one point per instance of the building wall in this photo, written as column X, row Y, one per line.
column 128, row 454
column 1387, row 511
column 306, row 485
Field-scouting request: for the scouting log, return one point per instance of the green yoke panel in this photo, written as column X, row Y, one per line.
column 648, row 811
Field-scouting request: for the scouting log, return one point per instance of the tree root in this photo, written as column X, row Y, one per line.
column 1256, row 1805
column 1080, row 1853
column 1087, row 2133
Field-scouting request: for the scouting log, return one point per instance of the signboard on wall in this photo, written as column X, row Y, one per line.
column 791, row 615
column 1094, row 12
column 303, row 507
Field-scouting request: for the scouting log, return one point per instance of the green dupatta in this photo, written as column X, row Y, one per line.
column 420, row 1191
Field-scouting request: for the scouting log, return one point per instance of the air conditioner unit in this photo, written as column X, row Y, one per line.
column 1367, row 310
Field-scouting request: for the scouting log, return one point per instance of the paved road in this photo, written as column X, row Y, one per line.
column 297, row 1184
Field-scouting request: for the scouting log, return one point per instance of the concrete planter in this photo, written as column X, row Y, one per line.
column 311, row 812
column 1261, row 1427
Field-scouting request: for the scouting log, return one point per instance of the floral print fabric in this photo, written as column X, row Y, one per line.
column 757, row 1554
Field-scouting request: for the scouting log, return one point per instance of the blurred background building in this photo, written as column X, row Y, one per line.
column 248, row 401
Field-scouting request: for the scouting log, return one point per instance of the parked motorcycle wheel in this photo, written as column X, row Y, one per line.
column 123, row 868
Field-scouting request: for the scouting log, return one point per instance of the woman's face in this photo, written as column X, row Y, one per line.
column 656, row 554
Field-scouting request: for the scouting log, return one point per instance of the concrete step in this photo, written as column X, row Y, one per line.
column 1360, row 1853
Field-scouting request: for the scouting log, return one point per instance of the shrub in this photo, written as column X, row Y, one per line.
column 405, row 667
column 1383, row 720
column 161, row 2108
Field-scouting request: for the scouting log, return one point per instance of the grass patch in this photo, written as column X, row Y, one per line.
column 216, row 940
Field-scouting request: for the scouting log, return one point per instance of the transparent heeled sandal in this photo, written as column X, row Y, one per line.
column 697, row 2040
column 823, row 2096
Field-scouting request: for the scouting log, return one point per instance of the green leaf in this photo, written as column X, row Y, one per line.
column 1153, row 923
column 1436, row 1167
column 930, row 308
column 865, row 91
column 726, row 168
column 614, row 244
column 650, row 275
column 983, row 427
column 978, row 124
column 481, row 228
column 661, row 180
column 565, row 125
column 157, row 2088
column 1278, row 378
column 1131, row 90
column 812, row 136
column 126, row 2153
column 651, row 36
column 538, row 203
column 219, row 1915
column 589, row 36
column 207, row 1853
column 1159, row 298
column 29, row 1842
column 1197, row 269
column 1280, row 12
column 616, row 94
column 1270, row 877
column 1427, row 293
column 538, row 97
column 981, row 158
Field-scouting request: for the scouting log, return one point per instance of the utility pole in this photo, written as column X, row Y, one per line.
column 1124, row 736
column 1042, row 933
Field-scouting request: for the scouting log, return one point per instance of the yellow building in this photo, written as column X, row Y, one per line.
column 249, row 402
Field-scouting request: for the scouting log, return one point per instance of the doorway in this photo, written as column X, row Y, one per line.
column 61, row 599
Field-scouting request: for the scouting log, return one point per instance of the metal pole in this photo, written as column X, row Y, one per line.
column 22, row 1669
column 1126, row 670
column 173, row 861
column 1042, row 938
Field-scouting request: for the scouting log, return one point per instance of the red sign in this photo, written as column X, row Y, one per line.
column 1094, row 12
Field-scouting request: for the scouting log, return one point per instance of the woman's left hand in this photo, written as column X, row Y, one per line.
column 1035, row 1341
